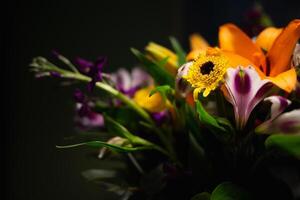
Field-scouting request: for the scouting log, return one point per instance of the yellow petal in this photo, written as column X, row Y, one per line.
column 231, row 38
column 267, row 37
column 155, row 103
column 158, row 53
column 286, row 80
column 196, row 93
column 197, row 42
column 281, row 51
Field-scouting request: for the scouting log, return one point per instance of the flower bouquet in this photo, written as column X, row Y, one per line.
column 215, row 123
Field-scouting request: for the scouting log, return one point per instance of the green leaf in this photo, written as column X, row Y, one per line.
column 179, row 51
column 287, row 143
column 201, row 196
column 156, row 70
column 198, row 150
column 215, row 124
column 229, row 191
column 164, row 90
column 99, row 144
column 191, row 122
column 116, row 128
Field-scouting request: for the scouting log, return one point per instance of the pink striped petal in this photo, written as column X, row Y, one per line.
column 286, row 123
column 244, row 89
column 279, row 104
column 182, row 87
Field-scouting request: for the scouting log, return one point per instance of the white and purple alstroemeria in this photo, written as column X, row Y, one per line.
column 279, row 104
column 86, row 118
column 286, row 123
column 182, row 87
column 296, row 56
column 296, row 63
column 91, row 69
column 129, row 82
column 244, row 89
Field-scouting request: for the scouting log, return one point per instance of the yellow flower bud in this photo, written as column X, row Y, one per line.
column 155, row 103
column 158, row 53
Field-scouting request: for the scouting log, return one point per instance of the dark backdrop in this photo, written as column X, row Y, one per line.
column 39, row 112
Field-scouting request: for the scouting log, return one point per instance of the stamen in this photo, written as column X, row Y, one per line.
column 207, row 67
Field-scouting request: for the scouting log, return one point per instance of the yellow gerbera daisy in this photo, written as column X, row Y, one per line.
column 207, row 71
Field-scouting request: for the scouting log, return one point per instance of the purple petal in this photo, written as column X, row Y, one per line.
column 244, row 89
column 287, row 123
column 123, row 80
column 129, row 83
column 79, row 96
column 279, row 104
column 139, row 78
column 242, row 83
column 100, row 62
column 160, row 117
column 91, row 85
column 55, row 74
column 92, row 121
column 84, row 66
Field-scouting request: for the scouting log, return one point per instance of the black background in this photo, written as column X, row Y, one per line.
column 39, row 112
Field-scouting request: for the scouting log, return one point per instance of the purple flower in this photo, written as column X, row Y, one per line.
column 91, row 69
column 86, row 118
column 244, row 89
column 160, row 117
column 296, row 56
column 182, row 87
column 128, row 83
column 288, row 122
column 279, row 104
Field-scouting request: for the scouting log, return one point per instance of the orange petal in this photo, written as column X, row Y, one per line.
column 237, row 60
column 190, row 99
column 231, row 38
column 286, row 80
column 267, row 37
column 197, row 42
column 193, row 54
column 281, row 51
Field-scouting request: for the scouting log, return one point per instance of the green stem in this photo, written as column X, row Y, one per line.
column 164, row 139
column 113, row 92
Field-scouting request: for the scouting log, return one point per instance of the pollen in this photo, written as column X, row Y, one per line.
column 207, row 71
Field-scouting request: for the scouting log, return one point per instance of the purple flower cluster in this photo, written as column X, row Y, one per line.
column 91, row 69
column 86, row 118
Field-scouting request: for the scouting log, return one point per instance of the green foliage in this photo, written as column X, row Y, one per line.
column 287, row 143
column 229, row 191
column 181, row 55
column 201, row 196
column 117, row 129
column 164, row 90
column 156, row 70
column 219, row 126
column 99, row 144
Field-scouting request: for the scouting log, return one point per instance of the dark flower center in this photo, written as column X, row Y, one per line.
column 207, row 67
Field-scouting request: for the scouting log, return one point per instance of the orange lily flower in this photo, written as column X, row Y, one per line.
column 197, row 45
column 276, row 64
